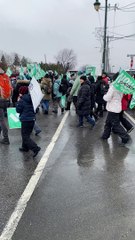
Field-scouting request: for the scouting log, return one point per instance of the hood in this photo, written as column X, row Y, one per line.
column 58, row 81
column 46, row 80
column 86, row 82
column 27, row 98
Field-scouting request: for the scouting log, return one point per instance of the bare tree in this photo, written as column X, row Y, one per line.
column 67, row 58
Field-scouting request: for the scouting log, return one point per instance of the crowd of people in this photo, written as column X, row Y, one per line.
column 90, row 98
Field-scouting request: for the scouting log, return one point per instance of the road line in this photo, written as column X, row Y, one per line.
column 13, row 221
column 131, row 118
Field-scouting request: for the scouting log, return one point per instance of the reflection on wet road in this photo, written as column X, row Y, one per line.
column 86, row 192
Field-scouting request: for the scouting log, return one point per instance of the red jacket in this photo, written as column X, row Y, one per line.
column 125, row 101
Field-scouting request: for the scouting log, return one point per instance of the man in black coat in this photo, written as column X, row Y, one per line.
column 84, row 102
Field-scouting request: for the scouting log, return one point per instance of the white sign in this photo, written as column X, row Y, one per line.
column 35, row 92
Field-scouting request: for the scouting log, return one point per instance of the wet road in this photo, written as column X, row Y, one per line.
column 86, row 191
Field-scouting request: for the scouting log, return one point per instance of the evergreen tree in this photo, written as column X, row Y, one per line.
column 24, row 61
column 3, row 63
column 17, row 60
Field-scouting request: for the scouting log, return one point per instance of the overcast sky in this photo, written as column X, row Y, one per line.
column 35, row 28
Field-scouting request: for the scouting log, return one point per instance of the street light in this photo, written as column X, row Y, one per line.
column 97, row 7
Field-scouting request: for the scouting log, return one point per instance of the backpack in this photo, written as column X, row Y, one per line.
column 103, row 88
column 5, row 87
column 63, row 87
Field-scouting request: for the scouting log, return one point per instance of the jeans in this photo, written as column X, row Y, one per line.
column 45, row 105
column 56, row 104
column 89, row 119
column 3, row 124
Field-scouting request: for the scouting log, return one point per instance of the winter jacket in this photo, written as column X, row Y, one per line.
column 92, row 87
column 113, row 98
column 46, row 87
column 25, row 108
column 125, row 101
column 84, row 99
column 100, row 89
column 76, row 87
column 56, row 92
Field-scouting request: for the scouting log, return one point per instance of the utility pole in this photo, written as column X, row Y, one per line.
column 45, row 58
column 97, row 7
column 104, row 40
column 131, row 59
column 107, row 65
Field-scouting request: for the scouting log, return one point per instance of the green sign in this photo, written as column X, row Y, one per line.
column 132, row 103
column 13, row 118
column 125, row 83
column 91, row 69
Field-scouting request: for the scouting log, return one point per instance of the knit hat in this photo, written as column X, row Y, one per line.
column 23, row 90
column 83, row 78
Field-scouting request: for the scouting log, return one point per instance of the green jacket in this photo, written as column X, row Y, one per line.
column 76, row 87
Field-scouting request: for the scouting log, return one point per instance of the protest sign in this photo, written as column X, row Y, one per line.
column 125, row 83
column 91, row 70
column 13, row 118
column 35, row 92
column 132, row 103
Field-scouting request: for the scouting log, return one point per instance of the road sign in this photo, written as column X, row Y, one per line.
column 13, row 118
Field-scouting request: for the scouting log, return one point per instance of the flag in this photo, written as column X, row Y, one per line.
column 21, row 72
column 33, row 70
column 68, row 76
column 125, row 83
column 9, row 72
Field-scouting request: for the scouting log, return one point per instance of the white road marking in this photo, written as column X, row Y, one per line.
column 131, row 118
column 11, row 225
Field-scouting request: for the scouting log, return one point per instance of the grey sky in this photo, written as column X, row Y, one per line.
column 36, row 27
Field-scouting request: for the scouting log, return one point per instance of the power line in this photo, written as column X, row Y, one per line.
column 122, row 25
column 128, row 5
column 123, row 37
column 126, row 10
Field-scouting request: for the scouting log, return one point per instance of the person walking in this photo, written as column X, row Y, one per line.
column 84, row 102
column 5, row 94
column 74, row 90
column 113, row 98
column 46, row 87
column 125, row 102
column 57, row 95
column 25, row 108
column 99, row 92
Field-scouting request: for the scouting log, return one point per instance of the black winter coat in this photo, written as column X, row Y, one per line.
column 25, row 108
column 101, row 88
column 84, row 99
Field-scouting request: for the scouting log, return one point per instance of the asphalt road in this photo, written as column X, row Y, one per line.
column 86, row 191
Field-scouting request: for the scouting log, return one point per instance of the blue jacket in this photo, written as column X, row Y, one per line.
column 25, row 108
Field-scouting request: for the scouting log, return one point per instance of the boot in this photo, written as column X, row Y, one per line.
column 5, row 141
